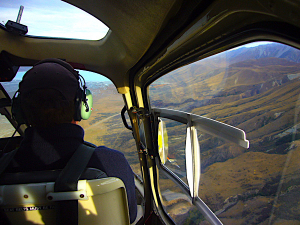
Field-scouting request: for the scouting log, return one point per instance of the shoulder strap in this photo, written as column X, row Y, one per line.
column 67, row 211
column 6, row 159
column 66, row 181
column 68, row 178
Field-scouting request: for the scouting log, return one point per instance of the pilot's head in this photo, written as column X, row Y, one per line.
column 48, row 93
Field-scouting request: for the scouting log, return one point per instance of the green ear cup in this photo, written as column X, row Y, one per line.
column 86, row 107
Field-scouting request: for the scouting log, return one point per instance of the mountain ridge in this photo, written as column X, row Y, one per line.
column 257, row 90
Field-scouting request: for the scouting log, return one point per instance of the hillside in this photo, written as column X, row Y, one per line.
column 274, row 50
column 255, row 89
column 237, row 80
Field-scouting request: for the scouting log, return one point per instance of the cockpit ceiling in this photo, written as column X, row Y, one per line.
column 145, row 36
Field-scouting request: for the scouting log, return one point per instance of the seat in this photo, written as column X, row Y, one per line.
column 74, row 195
column 100, row 201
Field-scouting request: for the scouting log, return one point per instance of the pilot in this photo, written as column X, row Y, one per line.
column 48, row 93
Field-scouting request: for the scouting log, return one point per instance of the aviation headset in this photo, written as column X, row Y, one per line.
column 83, row 99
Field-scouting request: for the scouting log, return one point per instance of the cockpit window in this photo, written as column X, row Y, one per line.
column 254, row 88
column 53, row 19
column 7, row 129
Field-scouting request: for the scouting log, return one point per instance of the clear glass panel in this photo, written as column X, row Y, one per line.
column 255, row 88
column 11, row 87
column 177, row 204
column 7, row 129
column 53, row 19
column 176, row 147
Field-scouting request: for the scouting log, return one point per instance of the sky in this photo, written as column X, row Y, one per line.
column 54, row 18
column 254, row 44
column 251, row 45
column 87, row 75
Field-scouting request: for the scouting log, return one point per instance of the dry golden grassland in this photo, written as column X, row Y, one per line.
column 242, row 186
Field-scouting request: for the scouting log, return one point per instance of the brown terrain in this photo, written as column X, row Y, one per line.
column 259, row 185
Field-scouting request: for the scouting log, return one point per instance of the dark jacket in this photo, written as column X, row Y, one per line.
column 51, row 148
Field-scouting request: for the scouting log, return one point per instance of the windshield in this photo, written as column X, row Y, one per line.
column 53, row 19
column 255, row 88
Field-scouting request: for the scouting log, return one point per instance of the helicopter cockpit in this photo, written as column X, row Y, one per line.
column 202, row 98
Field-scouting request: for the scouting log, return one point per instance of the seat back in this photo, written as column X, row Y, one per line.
column 100, row 201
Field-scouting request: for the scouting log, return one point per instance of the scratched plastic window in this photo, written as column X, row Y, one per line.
column 256, row 88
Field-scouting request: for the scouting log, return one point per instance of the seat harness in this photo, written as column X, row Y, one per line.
column 66, row 211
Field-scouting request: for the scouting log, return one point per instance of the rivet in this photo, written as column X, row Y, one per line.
column 82, row 196
column 25, row 196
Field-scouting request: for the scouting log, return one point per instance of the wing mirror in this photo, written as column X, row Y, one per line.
column 192, row 149
column 163, row 147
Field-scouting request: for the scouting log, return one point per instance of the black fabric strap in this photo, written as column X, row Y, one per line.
column 67, row 211
column 6, row 159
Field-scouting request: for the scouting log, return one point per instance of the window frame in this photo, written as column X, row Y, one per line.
column 211, row 127
column 192, row 57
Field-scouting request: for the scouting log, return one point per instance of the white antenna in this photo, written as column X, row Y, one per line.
column 20, row 14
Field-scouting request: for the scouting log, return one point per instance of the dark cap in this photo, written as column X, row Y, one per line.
column 54, row 74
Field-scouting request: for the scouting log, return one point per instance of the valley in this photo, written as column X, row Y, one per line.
column 254, row 89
